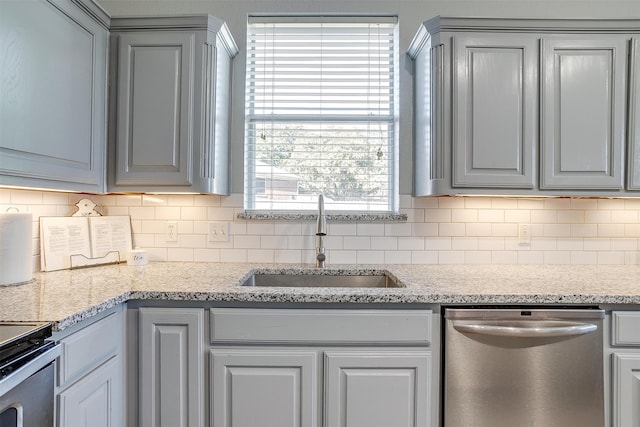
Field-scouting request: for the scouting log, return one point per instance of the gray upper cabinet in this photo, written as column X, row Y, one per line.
column 53, row 85
column 495, row 102
column 633, row 182
column 171, row 104
column 523, row 106
column 583, row 108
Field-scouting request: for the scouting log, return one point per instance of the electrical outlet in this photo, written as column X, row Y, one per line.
column 524, row 234
column 218, row 231
column 172, row 231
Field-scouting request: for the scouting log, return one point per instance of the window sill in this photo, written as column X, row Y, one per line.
column 342, row 217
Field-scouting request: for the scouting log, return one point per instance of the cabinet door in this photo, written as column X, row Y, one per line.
column 154, row 144
column 495, row 110
column 634, row 117
column 95, row 400
column 52, row 96
column 263, row 388
column 626, row 389
column 171, row 367
column 377, row 389
column 583, row 108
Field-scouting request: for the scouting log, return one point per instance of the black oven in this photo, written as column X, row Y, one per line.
column 26, row 375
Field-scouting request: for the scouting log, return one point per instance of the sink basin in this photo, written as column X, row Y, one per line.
column 324, row 280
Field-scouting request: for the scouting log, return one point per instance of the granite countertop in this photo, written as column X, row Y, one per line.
column 69, row 296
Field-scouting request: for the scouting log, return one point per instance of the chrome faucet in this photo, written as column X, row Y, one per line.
column 321, row 231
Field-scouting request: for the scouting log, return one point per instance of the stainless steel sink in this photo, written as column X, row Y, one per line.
column 325, row 280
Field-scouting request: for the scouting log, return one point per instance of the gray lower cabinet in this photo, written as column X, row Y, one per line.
column 170, row 367
column 53, row 94
column 267, row 388
column 523, row 106
column 323, row 367
column 90, row 373
column 171, row 104
column 377, row 388
column 625, row 361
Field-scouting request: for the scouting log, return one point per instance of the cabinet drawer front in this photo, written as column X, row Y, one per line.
column 625, row 328
column 89, row 347
column 377, row 327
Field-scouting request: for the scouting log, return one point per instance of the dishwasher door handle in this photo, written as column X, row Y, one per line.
column 525, row 332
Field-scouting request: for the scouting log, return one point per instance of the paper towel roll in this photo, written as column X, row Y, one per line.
column 16, row 246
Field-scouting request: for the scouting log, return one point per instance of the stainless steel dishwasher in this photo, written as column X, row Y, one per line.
column 523, row 368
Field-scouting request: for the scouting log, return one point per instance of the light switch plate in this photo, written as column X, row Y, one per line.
column 218, row 231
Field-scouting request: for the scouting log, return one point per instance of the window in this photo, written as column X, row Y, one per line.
column 321, row 113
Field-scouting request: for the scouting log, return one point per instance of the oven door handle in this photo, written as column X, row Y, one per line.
column 571, row 329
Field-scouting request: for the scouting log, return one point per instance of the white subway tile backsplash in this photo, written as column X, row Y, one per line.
column 261, row 255
column 517, row 215
column 446, row 230
column 531, row 257
column 233, row 255
column 370, row 229
column 206, row 255
column 193, row 213
column 219, row 214
column 452, row 229
column 425, row 257
column 477, row 203
column 477, row 257
column 479, row 229
column 465, row 244
column 358, row 243
column 287, row 256
column 584, row 230
column 273, row 242
column 438, row 244
column 557, row 257
column 397, row 257
column 246, row 242
column 397, row 229
column 611, row 258
column 260, row 229
column 145, row 213
column 451, row 257
column 342, row 229
column 342, row 257
column 451, row 202
column 583, row 258
column 168, row 212
column 180, row 254
column 384, row 243
column 410, row 243
column 464, row 215
column 504, row 203
column 153, row 200
column 611, row 230
column 370, row 257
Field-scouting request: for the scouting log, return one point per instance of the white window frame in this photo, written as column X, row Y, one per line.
column 254, row 168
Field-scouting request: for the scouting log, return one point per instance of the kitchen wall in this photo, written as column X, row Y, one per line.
column 439, row 230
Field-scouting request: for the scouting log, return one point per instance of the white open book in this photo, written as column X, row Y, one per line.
column 79, row 241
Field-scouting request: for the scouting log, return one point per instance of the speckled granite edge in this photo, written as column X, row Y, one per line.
column 69, row 297
column 292, row 216
column 90, row 312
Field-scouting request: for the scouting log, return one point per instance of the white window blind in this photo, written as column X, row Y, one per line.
column 321, row 114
